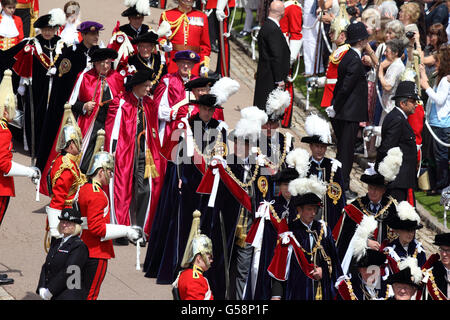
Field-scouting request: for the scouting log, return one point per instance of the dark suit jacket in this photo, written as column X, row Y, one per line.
column 55, row 271
column 129, row 31
column 273, row 64
column 350, row 94
column 397, row 132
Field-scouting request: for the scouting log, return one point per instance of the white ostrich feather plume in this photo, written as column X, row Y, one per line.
column 130, row 3
column 413, row 266
column 406, row 211
column 223, row 89
column 164, row 29
column 254, row 114
column 143, row 7
column 247, row 129
column 277, row 102
column 299, row 159
column 315, row 125
column 301, row 186
column 389, row 167
column 364, row 230
column 57, row 17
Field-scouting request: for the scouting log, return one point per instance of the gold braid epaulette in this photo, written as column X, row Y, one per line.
column 176, row 24
column 79, row 178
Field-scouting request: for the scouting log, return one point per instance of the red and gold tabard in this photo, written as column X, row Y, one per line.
column 192, row 285
column 291, row 23
column 189, row 32
column 332, row 74
column 66, row 178
column 6, row 183
column 7, row 43
column 94, row 205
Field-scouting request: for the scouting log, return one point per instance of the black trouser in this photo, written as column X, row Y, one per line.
column 24, row 14
column 94, row 274
column 346, row 135
column 213, row 25
column 141, row 192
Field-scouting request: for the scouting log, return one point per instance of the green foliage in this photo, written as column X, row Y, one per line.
column 431, row 204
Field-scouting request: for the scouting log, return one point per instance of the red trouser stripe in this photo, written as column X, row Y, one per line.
column 4, row 201
column 98, row 279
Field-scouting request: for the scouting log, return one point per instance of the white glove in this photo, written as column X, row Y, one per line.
column 21, row 90
column 220, row 15
column 261, row 160
column 114, row 231
column 53, row 221
column 45, row 293
column 19, row 170
column 377, row 131
column 204, row 70
column 330, row 111
column 167, row 47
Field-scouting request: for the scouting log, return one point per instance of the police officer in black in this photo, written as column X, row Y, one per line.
column 61, row 274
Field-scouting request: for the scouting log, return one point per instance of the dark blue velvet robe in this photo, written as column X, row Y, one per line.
column 298, row 285
column 421, row 257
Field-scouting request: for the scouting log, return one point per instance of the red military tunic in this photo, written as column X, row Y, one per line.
column 332, row 74
column 66, row 178
column 192, row 285
column 6, row 183
column 291, row 23
column 189, row 32
column 6, row 43
column 94, row 205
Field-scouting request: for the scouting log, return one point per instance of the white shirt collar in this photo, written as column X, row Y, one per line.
column 274, row 20
column 357, row 51
column 404, row 114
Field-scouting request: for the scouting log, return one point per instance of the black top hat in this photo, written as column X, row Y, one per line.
column 132, row 12
column 314, row 139
column 356, row 32
column 199, row 83
column 71, row 214
column 285, row 175
column 373, row 179
column 150, row 37
column 103, row 54
column 442, row 239
column 371, row 258
column 403, row 276
column 208, row 100
column 138, row 78
column 406, row 89
column 394, row 222
column 42, row 21
column 307, row 198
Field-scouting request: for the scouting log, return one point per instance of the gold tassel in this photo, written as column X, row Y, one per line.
column 150, row 167
column 319, row 292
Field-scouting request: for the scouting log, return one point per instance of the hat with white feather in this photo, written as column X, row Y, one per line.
column 307, row 191
column 246, row 130
column 409, row 273
column 221, row 90
column 136, row 8
column 404, row 218
column 277, row 102
column 317, row 130
column 55, row 18
column 388, row 169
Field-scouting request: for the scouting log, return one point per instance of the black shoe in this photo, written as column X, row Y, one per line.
column 214, row 48
column 350, row 195
column 154, row 3
column 359, row 149
column 121, row 241
column 3, row 275
column 433, row 193
column 6, row 281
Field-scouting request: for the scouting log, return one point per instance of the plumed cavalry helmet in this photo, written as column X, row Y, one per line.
column 197, row 243
column 341, row 22
column 101, row 159
column 70, row 131
column 8, row 99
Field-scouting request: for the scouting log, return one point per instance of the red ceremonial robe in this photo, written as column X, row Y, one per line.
column 121, row 122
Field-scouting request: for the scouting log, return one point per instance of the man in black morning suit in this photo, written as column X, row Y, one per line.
column 350, row 101
column 397, row 132
column 274, row 56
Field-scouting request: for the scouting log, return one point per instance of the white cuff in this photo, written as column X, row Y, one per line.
column 53, row 221
column 114, row 231
column 19, row 170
